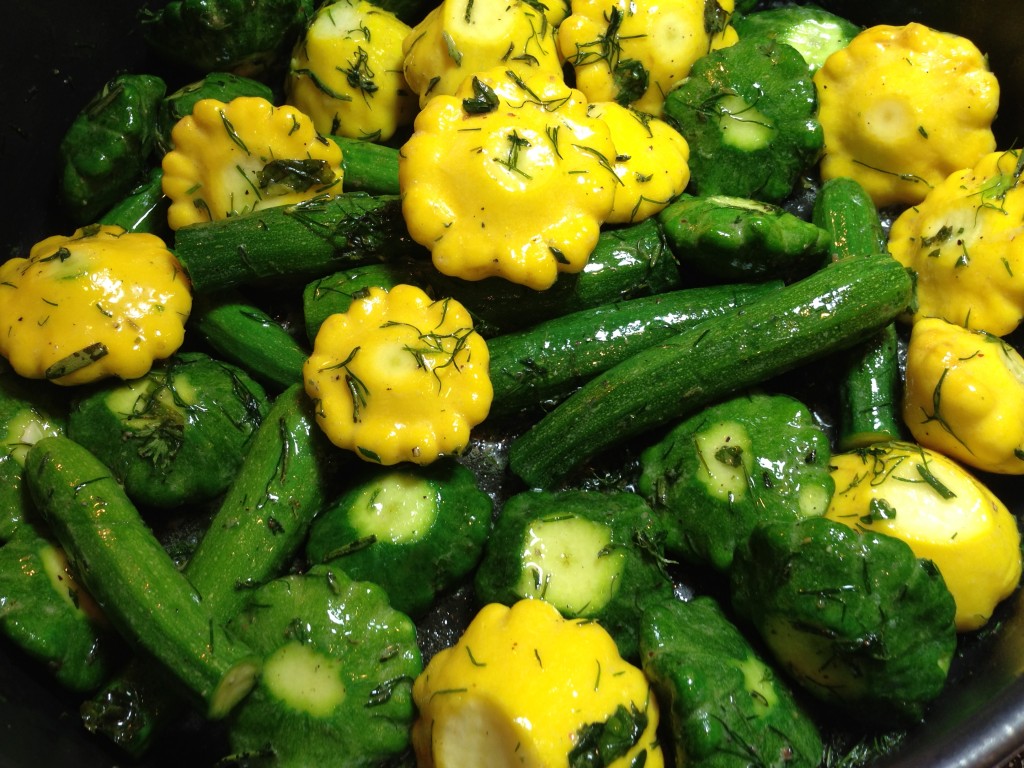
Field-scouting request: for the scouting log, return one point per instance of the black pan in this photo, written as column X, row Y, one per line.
column 55, row 54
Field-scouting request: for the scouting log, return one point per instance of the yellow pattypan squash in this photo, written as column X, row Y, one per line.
column 458, row 39
column 633, row 53
column 942, row 512
column 102, row 302
column 346, row 72
column 902, row 107
column 963, row 242
column 240, row 156
column 964, row 396
column 523, row 687
column 651, row 160
column 508, row 178
column 399, row 377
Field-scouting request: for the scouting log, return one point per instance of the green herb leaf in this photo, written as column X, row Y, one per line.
column 601, row 744
column 483, row 100
column 281, row 177
column 76, row 361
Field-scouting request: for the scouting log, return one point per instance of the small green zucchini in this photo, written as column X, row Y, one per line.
column 831, row 309
column 243, row 334
column 134, row 581
column 627, row 262
column 295, row 243
column 259, row 527
column 368, row 167
column 845, row 210
column 548, row 361
column 869, row 401
column 262, row 522
column 143, row 209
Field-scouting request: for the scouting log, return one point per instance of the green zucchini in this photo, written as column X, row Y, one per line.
column 48, row 615
column 144, row 209
column 627, row 262
column 368, row 167
column 844, row 210
column 243, row 334
column 284, row 481
column 869, row 392
column 334, row 293
column 831, row 309
column 546, row 362
column 869, row 401
column 139, row 588
column 257, row 530
column 29, row 411
column 294, row 243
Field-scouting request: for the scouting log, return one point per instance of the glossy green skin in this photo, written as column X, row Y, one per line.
column 222, row 86
column 119, row 560
column 413, row 573
column 845, row 210
column 289, row 245
column 870, row 605
column 695, row 658
column 78, row 651
column 869, row 380
column 106, row 150
column 256, row 532
column 634, row 532
column 15, row 503
column 718, row 358
column 790, row 457
column 546, row 362
column 243, row 334
column 813, row 31
column 179, row 452
column 236, row 36
column 143, row 209
column 348, row 621
column 368, row 167
column 20, row 399
column 774, row 77
column 726, row 239
column 627, row 262
column 869, row 406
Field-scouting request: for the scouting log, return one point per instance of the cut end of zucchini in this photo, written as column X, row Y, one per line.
column 743, row 126
column 400, row 508
column 726, row 459
column 233, row 687
column 571, row 564
column 304, row 679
